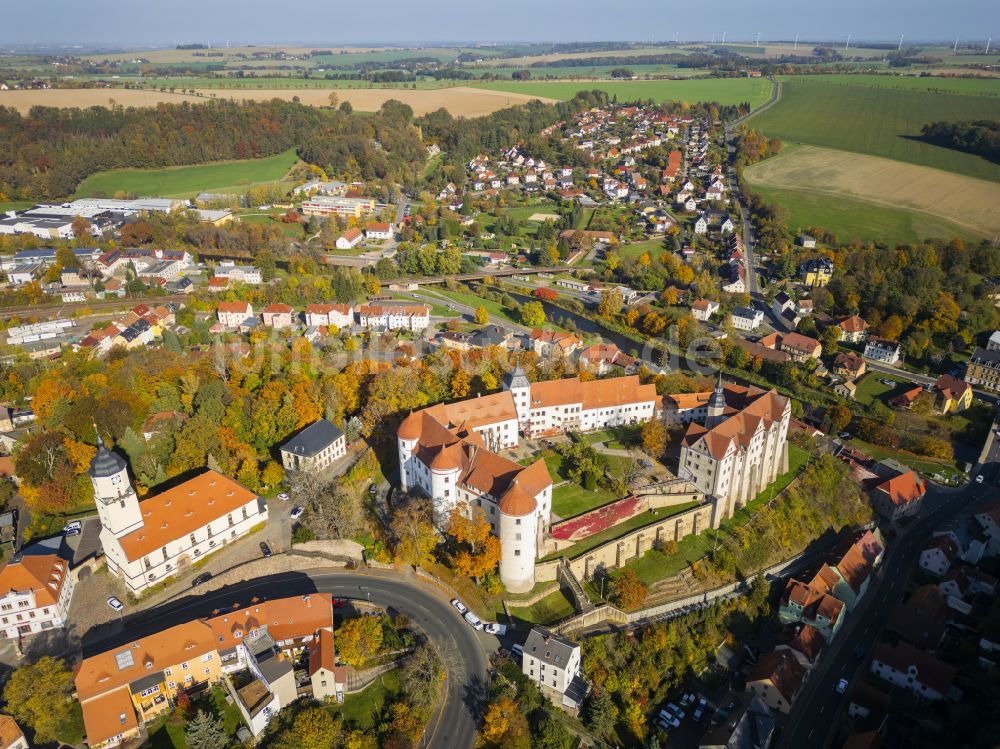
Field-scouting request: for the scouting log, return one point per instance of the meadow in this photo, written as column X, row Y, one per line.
column 906, row 199
column 187, row 181
column 722, row 90
column 879, row 121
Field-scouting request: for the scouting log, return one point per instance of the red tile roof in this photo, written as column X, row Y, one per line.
column 781, row 669
column 903, row 489
column 931, row 672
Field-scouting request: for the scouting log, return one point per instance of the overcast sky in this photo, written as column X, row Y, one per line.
column 136, row 22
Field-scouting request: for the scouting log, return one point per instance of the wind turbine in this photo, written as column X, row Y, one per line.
column 758, row 40
column 955, row 48
column 900, row 47
column 796, row 43
column 723, row 37
column 988, row 44
column 848, row 42
column 713, row 37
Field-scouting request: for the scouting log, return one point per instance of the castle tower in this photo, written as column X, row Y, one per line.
column 117, row 503
column 518, row 532
column 520, row 388
column 716, row 405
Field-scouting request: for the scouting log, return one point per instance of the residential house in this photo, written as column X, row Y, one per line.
column 11, row 735
column 601, row 358
column 867, row 701
column 277, row 316
column 491, row 335
column 916, row 626
column 882, row 350
column 349, row 239
column 938, row 555
column 905, row 666
column 749, row 725
column 781, row 302
column 703, row 309
column 746, row 318
column 852, row 329
column 806, row 645
column 553, row 662
column 816, row 272
column 551, row 343
column 328, row 680
column 338, row 205
column 232, row 314
column 777, row 679
column 314, row 448
column 378, row 231
column 989, row 520
column 899, row 497
column 806, row 242
column 907, row 398
column 329, row 315
column 850, row 365
column 846, row 389
column 964, row 582
column 36, row 588
column 799, row 347
column 247, row 274
column 413, row 317
column 984, row 368
column 951, row 395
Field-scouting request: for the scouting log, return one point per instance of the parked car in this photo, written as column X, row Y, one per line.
column 283, row 496
column 297, row 512
column 844, row 435
column 495, row 628
column 699, row 712
column 517, row 651
column 980, row 478
column 675, row 710
column 204, row 577
column 668, row 717
column 115, row 604
column 474, row 620
column 462, row 608
column 373, row 490
column 265, row 549
column 338, row 603
column 841, row 686
column 72, row 528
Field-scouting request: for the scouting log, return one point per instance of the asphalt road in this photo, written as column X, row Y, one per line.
column 460, row 647
column 819, row 709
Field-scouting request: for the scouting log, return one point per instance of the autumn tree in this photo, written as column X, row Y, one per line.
column 39, row 695
column 315, row 728
column 611, row 303
column 504, row 726
column 413, row 528
column 840, row 416
column 654, row 438
column 482, row 316
column 627, row 590
column 532, row 314
column 359, row 639
column 478, row 550
column 461, row 383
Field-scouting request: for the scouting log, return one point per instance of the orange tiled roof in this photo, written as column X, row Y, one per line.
column 782, row 670
column 9, row 731
column 377, row 310
column 858, row 561
column 950, row 387
column 184, row 509
column 852, row 324
column 326, row 309
column 277, row 309
column 321, row 652
column 108, row 716
column 44, row 574
column 754, row 409
column 903, row 489
column 239, row 307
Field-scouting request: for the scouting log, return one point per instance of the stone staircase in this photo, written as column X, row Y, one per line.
column 568, row 580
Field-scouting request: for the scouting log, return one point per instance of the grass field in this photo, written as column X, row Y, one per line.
column 901, row 201
column 187, row 181
column 878, row 121
column 722, row 90
column 570, row 500
column 977, row 86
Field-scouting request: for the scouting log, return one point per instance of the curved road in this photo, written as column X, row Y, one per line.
column 453, row 725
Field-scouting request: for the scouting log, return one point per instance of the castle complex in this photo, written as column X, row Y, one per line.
column 449, row 452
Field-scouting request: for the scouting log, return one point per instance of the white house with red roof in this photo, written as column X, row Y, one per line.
column 899, row 497
column 232, row 314
column 277, row 316
column 36, row 589
column 329, row 315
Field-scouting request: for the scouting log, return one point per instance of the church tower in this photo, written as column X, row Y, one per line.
column 117, row 503
column 520, row 389
column 716, row 405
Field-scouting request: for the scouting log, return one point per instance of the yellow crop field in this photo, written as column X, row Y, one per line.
column 461, row 101
column 966, row 201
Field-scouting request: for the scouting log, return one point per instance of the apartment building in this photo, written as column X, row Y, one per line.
column 314, row 448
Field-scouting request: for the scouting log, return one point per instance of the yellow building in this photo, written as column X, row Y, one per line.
column 816, row 272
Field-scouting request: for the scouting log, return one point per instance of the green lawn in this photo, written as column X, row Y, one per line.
column 653, row 246
column 883, row 121
column 870, row 389
column 571, row 499
column 495, row 310
column 856, row 219
column 167, row 732
column 722, row 90
column 188, row 181
column 620, row 435
column 922, row 465
column 975, row 86
column 363, row 709
column 553, row 608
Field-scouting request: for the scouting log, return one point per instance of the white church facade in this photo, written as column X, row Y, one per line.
column 148, row 541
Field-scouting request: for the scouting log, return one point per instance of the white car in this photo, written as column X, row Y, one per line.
column 670, row 719
column 461, row 607
column 980, row 478
column 517, row 650
column 72, row 528
column 474, row 620
column 675, row 710
column 115, row 604
column 296, row 512
column 283, row 496
column 495, row 628
column 841, row 686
